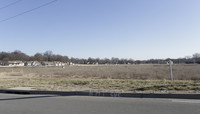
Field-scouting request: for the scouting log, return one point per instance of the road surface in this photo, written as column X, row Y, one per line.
column 50, row 104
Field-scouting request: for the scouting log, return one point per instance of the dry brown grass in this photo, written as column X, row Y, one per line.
column 144, row 72
column 112, row 77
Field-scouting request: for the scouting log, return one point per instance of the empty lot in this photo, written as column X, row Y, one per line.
column 106, row 77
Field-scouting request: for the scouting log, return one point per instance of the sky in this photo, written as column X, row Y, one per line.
column 137, row 29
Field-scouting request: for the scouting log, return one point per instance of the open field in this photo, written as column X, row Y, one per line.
column 131, row 78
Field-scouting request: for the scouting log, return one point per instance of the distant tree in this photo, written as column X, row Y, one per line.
column 74, row 60
column 48, row 56
column 114, row 60
column 196, row 55
column 31, row 58
column 18, row 55
column 4, row 55
column 59, row 58
column 123, row 61
column 131, row 61
column 106, row 61
column 196, row 58
column 80, row 61
column 91, row 60
column 188, row 57
column 38, row 57
column 97, row 60
column 66, row 59
column 138, row 62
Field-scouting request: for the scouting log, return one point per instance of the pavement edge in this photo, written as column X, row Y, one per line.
column 102, row 94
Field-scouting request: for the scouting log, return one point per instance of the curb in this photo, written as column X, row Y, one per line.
column 102, row 94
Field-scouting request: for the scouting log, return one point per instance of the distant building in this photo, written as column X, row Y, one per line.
column 45, row 63
column 57, row 63
column 32, row 63
column 28, row 63
column 36, row 63
column 15, row 63
column 71, row 64
column 2, row 63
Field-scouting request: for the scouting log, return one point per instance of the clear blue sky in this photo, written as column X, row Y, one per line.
column 137, row 29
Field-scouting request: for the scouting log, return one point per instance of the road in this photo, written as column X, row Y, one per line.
column 49, row 104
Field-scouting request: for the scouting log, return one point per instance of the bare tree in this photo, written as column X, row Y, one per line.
column 196, row 57
column 48, row 55
column 38, row 57
column 18, row 55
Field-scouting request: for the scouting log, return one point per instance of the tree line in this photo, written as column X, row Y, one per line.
column 20, row 56
column 49, row 56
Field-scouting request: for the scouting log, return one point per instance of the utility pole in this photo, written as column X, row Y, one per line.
column 170, row 69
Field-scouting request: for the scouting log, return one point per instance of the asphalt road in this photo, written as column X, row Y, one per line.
column 48, row 104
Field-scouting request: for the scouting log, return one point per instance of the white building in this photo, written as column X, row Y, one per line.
column 15, row 63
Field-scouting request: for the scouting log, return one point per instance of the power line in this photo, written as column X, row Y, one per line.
column 38, row 7
column 13, row 3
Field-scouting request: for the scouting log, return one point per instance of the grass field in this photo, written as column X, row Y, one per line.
column 129, row 78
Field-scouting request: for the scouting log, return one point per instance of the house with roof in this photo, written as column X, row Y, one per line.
column 32, row 63
column 58, row 63
column 15, row 63
column 46, row 63
column 2, row 63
